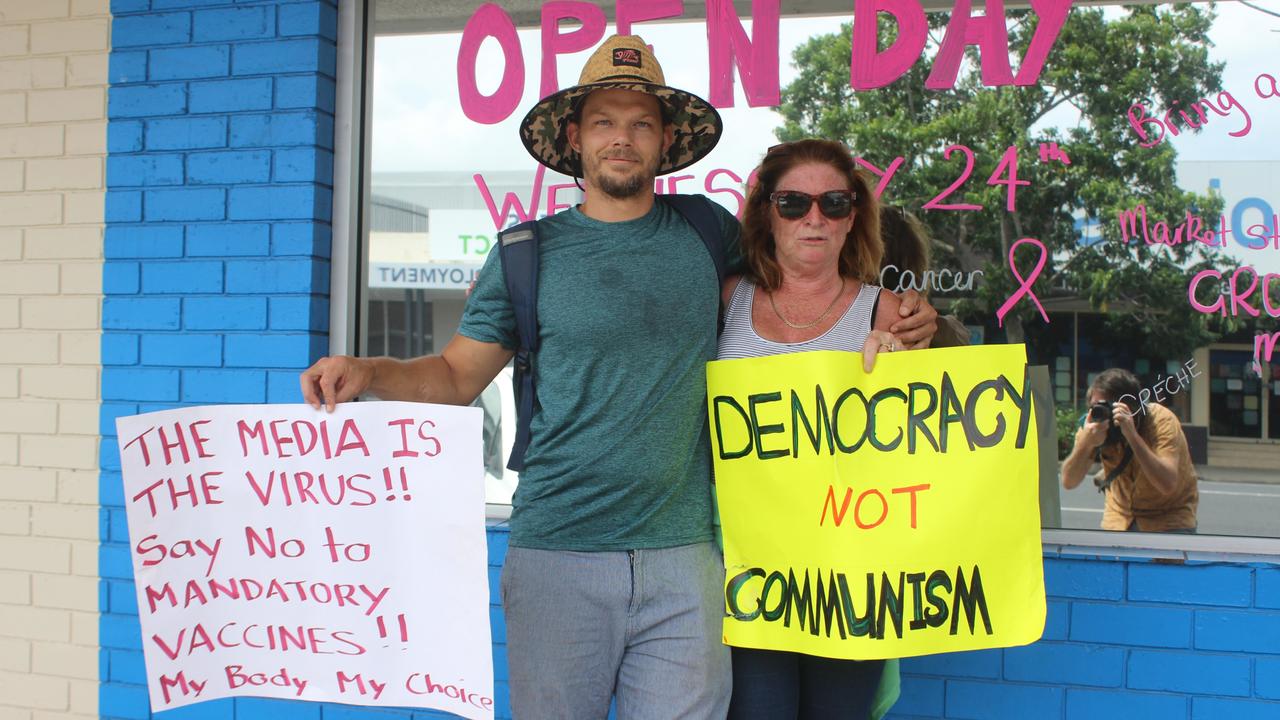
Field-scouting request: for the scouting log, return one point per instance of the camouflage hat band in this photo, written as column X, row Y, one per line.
column 623, row 62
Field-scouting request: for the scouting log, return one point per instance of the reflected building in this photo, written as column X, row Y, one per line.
column 1232, row 410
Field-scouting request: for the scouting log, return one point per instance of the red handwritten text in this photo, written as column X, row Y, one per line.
column 304, row 436
column 756, row 58
column 236, row 678
column 1226, row 103
column 277, row 638
column 157, row 552
column 420, row 684
column 182, row 488
column 431, row 448
column 1264, row 346
column 1232, row 298
column 358, row 681
column 200, row 592
column 301, row 487
column 1192, row 228
column 183, row 684
column 176, row 439
column 877, row 515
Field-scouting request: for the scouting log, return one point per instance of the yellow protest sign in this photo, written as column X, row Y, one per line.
column 878, row 515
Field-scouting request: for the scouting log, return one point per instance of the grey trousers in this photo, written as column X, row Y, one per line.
column 643, row 626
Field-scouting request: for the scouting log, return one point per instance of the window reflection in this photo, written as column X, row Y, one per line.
column 1235, row 395
column 437, row 196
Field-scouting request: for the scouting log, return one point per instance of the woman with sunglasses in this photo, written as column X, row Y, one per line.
column 811, row 240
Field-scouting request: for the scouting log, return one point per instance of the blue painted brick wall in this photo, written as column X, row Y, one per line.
column 1267, row 589
column 1123, row 639
column 216, row 277
column 1205, row 585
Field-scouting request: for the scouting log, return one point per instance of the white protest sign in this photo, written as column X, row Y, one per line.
column 285, row 552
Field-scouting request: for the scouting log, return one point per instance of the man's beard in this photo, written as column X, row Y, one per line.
column 622, row 189
column 625, row 188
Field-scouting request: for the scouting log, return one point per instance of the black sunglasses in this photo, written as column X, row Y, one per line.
column 793, row 204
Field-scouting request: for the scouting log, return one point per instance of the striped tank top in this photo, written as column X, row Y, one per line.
column 739, row 339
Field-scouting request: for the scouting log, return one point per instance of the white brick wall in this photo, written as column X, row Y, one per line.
column 53, row 85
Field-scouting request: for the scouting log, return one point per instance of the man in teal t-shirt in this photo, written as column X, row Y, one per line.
column 611, row 586
column 627, row 314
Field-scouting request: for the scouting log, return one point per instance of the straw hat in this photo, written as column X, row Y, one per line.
column 624, row 62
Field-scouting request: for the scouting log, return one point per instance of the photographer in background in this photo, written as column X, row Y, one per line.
column 1147, row 475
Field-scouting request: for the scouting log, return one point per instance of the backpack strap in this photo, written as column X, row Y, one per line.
column 1105, row 484
column 697, row 210
column 518, row 249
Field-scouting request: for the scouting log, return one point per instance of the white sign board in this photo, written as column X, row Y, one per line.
column 285, row 552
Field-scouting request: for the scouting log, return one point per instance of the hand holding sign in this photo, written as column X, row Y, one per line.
column 283, row 552
column 335, row 379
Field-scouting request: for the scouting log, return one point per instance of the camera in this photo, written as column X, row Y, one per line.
column 1100, row 411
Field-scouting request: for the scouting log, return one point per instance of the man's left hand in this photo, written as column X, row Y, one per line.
column 919, row 321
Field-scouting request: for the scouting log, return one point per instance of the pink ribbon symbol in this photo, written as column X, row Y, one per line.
column 1026, row 283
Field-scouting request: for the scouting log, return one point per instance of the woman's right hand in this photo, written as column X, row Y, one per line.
column 335, row 379
column 878, row 341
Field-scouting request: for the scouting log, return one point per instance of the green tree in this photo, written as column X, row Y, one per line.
column 1102, row 63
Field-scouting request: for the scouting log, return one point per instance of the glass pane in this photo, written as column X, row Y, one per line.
column 1272, row 402
column 1118, row 273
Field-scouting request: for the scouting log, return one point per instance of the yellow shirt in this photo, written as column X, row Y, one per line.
column 1134, row 497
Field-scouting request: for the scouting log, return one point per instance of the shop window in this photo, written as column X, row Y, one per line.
column 442, row 184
